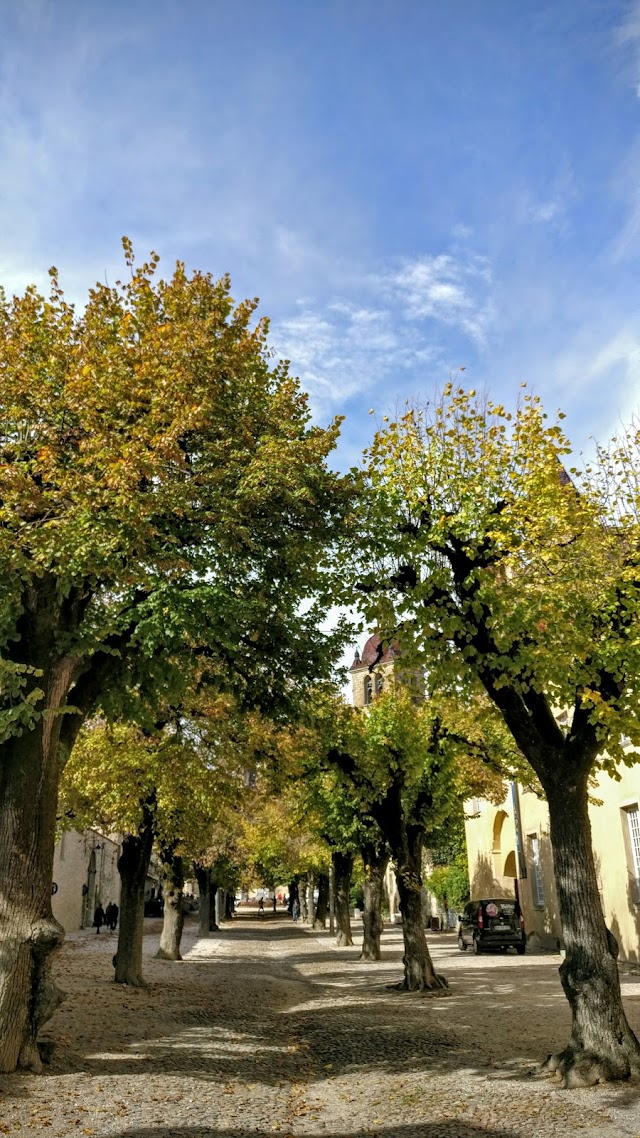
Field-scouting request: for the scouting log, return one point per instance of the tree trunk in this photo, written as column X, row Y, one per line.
column 601, row 1045
column 173, row 923
column 303, row 890
column 418, row 968
column 203, row 877
column 375, row 863
column 320, row 918
column 30, row 766
column 342, row 870
column 133, row 865
column 213, row 889
column 310, row 917
column 221, row 902
column 28, row 996
column 405, row 841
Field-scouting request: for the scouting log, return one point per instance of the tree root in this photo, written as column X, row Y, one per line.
column 439, row 986
column 161, row 954
column 46, row 1048
column 577, row 1068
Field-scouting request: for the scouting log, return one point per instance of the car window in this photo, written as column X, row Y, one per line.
column 508, row 910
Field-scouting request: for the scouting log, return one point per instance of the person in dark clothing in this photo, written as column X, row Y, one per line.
column 111, row 916
column 274, row 904
column 261, row 908
column 98, row 919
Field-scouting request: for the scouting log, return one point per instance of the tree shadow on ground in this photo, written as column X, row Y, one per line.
column 447, row 1129
column 292, row 1028
column 287, row 1026
column 304, row 1039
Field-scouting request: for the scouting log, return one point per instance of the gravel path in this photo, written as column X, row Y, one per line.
column 267, row 1029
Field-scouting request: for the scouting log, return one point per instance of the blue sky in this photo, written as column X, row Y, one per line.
column 410, row 186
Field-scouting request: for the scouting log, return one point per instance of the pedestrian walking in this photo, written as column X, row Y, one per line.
column 295, row 909
column 261, row 908
column 111, row 916
column 274, row 904
column 98, row 919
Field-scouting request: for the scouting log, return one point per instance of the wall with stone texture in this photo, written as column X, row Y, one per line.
column 87, row 859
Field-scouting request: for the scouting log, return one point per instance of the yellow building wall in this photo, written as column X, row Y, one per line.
column 492, row 854
column 492, row 858
column 614, row 859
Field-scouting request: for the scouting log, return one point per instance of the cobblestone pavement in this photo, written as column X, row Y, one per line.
column 267, row 1029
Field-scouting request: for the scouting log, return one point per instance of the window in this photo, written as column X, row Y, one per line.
column 379, row 684
column 633, row 825
column 536, row 884
column 368, row 690
column 498, row 823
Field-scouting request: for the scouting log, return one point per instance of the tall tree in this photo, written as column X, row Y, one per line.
column 412, row 781
column 409, row 758
column 389, row 758
column 170, row 788
column 499, row 565
column 278, row 843
column 163, row 499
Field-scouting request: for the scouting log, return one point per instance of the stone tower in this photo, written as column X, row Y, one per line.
column 366, row 684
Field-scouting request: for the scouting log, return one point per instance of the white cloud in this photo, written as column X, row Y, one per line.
column 611, row 364
column 344, row 349
column 627, row 35
column 346, row 346
column 462, row 232
column 449, row 290
column 545, row 211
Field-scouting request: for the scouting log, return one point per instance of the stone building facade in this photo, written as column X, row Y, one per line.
column 496, row 834
column 370, row 671
column 85, row 874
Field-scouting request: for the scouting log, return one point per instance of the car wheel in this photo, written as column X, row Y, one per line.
column 476, row 947
column 520, row 949
column 461, row 945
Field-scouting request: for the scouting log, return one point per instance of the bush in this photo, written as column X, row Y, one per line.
column 450, row 885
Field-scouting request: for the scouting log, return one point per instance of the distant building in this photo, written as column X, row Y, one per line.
column 85, row 874
column 370, row 671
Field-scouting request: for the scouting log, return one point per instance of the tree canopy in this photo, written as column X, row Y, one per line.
column 162, row 488
column 499, row 566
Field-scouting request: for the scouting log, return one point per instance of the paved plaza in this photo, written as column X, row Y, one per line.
column 267, row 1029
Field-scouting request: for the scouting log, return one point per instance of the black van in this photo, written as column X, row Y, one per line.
column 493, row 923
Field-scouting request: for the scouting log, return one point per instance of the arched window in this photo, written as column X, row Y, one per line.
column 379, row 683
column 498, row 823
column 368, row 690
